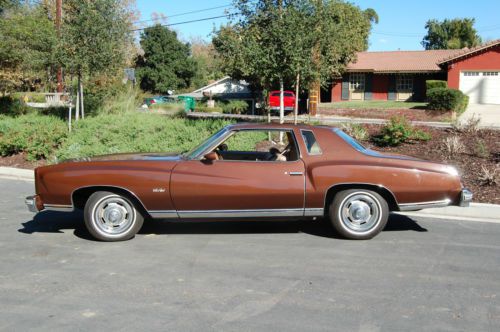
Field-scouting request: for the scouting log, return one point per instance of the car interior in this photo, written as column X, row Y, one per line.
column 259, row 145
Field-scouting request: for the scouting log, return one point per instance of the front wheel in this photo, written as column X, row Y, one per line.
column 358, row 214
column 111, row 217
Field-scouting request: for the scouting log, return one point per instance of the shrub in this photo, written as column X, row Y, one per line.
column 135, row 132
column 471, row 125
column 12, row 106
column 355, row 130
column 433, row 84
column 444, row 99
column 235, row 107
column 36, row 135
column 489, row 177
column 398, row 131
column 206, row 109
column 453, row 146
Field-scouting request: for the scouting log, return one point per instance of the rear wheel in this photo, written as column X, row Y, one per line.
column 111, row 217
column 358, row 214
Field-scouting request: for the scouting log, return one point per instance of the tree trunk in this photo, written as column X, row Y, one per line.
column 296, row 108
column 282, row 102
column 77, row 107
column 69, row 115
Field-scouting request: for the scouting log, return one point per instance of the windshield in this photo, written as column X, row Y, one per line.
column 355, row 144
column 194, row 153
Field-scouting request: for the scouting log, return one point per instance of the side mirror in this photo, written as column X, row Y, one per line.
column 211, row 156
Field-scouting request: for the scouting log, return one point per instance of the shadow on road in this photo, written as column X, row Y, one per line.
column 56, row 222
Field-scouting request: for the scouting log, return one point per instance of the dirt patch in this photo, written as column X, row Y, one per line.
column 386, row 114
column 19, row 161
column 481, row 149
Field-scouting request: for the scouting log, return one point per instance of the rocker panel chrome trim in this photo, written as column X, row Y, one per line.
column 58, row 207
column 423, row 205
column 163, row 214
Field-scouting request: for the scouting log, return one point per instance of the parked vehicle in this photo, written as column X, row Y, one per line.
column 289, row 101
column 159, row 100
column 242, row 171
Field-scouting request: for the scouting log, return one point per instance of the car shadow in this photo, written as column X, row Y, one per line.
column 56, row 222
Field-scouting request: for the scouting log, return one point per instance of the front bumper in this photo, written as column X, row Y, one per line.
column 34, row 203
column 465, row 198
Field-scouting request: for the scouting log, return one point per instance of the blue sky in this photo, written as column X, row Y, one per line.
column 401, row 24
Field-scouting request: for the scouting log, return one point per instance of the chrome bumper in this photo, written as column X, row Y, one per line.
column 30, row 202
column 465, row 198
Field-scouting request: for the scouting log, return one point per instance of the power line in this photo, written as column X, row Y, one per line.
column 187, row 13
column 185, row 22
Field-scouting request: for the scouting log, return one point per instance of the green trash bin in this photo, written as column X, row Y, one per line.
column 189, row 103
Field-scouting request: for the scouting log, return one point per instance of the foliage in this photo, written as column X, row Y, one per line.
column 481, row 149
column 398, row 131
column 355, row 130
column 274, row 40
column 27, row 48
column 489, row 176
column 135, row 132
column 206, row 109
column 235, row 107
column 12, row 106
column 445, row 99
column 451, row 34
column 96, row 37
column 111, row 97
column 208, row 63
column 36, row 135
column 166, row 63
column 433, row 84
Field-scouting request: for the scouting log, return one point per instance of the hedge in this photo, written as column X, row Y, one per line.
column 433, row 84
column 445, row 99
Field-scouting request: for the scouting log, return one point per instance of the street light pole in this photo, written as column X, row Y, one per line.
column 58, row 29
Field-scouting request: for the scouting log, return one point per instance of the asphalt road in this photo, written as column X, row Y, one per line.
column 420, row 274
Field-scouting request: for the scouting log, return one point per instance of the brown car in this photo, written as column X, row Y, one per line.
column 249, row 171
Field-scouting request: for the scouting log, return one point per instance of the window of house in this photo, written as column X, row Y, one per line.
column 404, row 83
column 490, row 73
column 471, row 73
column 311, row 142
column 357, row 81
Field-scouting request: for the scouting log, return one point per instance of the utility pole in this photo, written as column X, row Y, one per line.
column 58, row 29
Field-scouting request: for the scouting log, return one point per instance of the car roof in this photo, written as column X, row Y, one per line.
column 240, row 126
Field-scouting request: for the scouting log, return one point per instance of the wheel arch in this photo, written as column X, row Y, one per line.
column 80, row 196
column 381, row 190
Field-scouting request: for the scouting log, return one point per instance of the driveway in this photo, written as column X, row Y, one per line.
column 489, row 114
column 418, row 274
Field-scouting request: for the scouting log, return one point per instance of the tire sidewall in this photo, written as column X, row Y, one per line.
column 340, row 227
column 96, row 232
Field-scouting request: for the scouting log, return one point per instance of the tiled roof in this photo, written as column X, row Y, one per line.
column 401, row 61
column 468, row 51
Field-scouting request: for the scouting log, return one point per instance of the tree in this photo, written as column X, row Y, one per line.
column 207, row 63
column 166, row 63
column 450, row 34
column 27, row 47
column 96, row 38
column 292, row 42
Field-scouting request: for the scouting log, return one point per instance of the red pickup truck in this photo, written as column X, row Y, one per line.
column 288, row 101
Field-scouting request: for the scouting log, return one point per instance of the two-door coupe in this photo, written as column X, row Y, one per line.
column 249, row 171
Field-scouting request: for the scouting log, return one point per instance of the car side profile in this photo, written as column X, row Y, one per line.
column 249, row 171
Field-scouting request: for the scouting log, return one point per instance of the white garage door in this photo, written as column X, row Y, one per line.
column 482, row 87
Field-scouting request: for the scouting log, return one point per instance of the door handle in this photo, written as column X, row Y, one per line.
column 295, row 173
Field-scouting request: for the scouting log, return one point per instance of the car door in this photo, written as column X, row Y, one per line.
column 238, row 188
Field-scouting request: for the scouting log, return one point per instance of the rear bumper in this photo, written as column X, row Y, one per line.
column 34, row 203
column 286, row 108
column 465, row 198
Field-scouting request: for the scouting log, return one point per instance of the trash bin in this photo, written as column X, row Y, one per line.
column 189, row 103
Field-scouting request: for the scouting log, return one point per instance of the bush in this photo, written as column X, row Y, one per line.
column 135, row 132
column 12, row 106
column 434, row 84
column 36, row 135
column 235, row 107
column 206, row 109
column 444, row 99
column 355, row 130
column 398, row 131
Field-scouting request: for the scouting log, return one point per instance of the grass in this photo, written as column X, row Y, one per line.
column 374, row 104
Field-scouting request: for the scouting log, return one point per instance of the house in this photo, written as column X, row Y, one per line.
column 227, row 88
column 401, row 75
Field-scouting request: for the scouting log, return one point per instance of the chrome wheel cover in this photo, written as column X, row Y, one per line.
column 113, row 215
column 360, row 212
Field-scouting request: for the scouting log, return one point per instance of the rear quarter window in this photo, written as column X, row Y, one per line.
column 311, row 143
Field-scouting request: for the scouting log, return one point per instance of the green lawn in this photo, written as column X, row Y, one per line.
column 373, row 104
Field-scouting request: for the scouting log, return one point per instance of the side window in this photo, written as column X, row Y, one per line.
column 312, row 145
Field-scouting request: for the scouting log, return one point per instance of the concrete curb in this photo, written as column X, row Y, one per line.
column 17, row 173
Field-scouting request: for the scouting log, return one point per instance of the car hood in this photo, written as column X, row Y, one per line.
column 131, row 156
